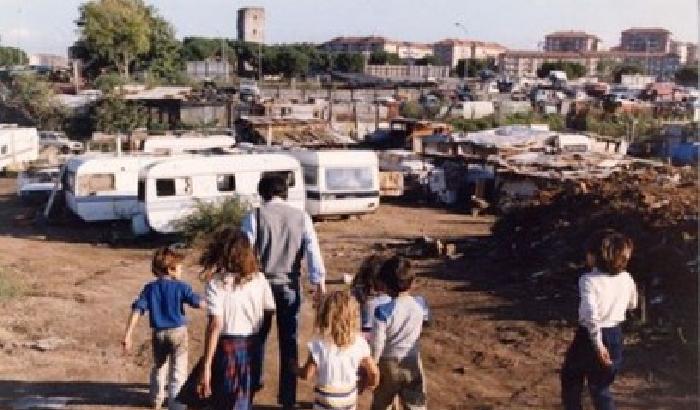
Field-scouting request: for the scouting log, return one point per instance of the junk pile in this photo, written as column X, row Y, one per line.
column 656, row 207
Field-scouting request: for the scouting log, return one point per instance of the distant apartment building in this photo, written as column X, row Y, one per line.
column 370, row 44
column 251, row 24
column 520, row 63
column 645, row 39
column 49, row 60
column 687, row 52
column 449, row 51
column 571, row 42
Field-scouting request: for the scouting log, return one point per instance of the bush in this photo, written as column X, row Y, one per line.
column 210, row 217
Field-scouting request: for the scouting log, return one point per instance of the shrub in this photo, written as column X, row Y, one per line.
column 210, row 217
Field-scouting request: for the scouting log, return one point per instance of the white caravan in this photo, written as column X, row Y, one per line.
column 18, row 145
column 340, row 182
column 179, row 145
column 169, row 189
column 103, row 187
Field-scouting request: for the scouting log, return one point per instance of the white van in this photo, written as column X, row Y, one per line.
column 179, row 145
column 169, row 189
column 103, row 187
column 18, row 145
column 340, row 182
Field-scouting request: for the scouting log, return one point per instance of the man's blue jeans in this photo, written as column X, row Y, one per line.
column 288, row 302
column 581, row 364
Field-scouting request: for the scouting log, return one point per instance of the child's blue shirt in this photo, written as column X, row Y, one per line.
column 164, row 299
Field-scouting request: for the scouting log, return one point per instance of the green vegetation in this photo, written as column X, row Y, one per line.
column 12, row 56
column 556, row 122
column 472, row 66
column 384, row 58
column 625, row 69
column 688, row 76
column 113, row 114
column 8, row 287
column 209, row 217
column 35, row 97
column 572, row 70
column 428, row 60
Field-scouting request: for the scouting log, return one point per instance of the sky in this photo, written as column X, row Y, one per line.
column 48, row 25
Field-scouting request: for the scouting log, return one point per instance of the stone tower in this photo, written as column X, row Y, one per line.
column 251, row 24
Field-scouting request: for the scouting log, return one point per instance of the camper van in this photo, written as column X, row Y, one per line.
column 103, row 187
column 168, row 190
column 18, row 145
column 340, row 182
column 179, row 145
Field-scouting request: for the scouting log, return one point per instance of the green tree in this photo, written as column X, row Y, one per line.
column 626, row 69
column 12, row 56
column 114, row 114
column 428, row 60
column 349, row 62
column 164, row 60
column 572, row 70
column 293, row 62
column 117, row 30
column 384, row 58
column 687, row 75
column 36, row 98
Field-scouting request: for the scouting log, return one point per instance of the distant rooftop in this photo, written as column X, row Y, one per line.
column 646, row 30
column 572, row 33
column 464, row 42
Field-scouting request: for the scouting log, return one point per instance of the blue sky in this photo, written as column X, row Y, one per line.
column 48, row 25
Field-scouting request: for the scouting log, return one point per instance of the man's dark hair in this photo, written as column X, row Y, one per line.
column 397, row 275
column 271, row 186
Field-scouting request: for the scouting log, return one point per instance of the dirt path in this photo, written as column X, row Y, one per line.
column 486, row 349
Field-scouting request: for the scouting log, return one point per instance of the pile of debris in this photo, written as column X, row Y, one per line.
column 656, row 207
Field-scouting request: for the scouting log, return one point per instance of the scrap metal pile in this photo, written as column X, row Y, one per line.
column 657, row 207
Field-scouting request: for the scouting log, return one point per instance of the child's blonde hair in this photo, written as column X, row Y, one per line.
column 338, row 318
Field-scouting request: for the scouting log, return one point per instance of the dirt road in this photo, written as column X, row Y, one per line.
column 65, row 297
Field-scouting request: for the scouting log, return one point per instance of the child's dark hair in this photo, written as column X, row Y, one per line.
column 397, row 275
column 165, row 260
column 368, row 276
column 271, row 186
column 610, row 250
column 212, row 255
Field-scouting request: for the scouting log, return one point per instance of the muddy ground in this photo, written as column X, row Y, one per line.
column 496, row 341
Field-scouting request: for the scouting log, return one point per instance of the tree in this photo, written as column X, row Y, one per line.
column 117, row 30
column 384, row 58
column 35, row 97
column 687, row 75
column 293, row 62
column 626, row 69
column 114, row 114
column 427, row 60
column 164, row 60
column 12, row 56
column 349, row 62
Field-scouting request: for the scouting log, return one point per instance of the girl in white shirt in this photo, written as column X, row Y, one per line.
column 240, row 306
column 338, row 353
column 607, row 292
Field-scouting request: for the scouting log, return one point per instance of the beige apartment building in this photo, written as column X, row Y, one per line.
column 645, row 39
column 571, row 42
column 370, row 44
column 449, row 51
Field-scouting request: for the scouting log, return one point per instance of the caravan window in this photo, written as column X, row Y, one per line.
column 311, row 176
column 3, row 150
column 288, row 175
column 226, row 182
column 91, row 184
column 173, row 186
column 348, row 179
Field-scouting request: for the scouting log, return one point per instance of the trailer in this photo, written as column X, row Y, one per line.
column 179, row 145
column 103, row 187
column 35, row 185
column 170, row 189
column 18, row 145
column 340, row 182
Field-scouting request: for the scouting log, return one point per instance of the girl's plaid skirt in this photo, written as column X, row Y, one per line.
column 235, row 366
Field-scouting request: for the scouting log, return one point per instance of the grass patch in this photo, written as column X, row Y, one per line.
column 8, row 286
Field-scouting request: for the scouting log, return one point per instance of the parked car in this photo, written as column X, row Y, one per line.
column 60, row 141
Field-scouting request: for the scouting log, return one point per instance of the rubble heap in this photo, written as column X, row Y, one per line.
column 657, row 208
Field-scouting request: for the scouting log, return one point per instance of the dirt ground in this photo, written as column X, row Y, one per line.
column 65, row 296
